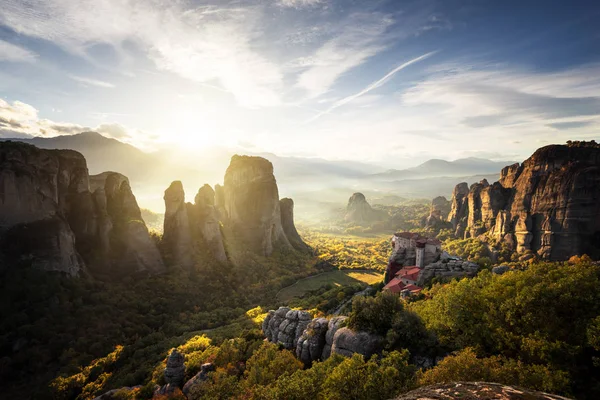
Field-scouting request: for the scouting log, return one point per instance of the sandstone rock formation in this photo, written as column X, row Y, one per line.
column 252, row 204
column 312, row 341
column 347, row 342
column 360, row 212
column 200, row 377
column 177, row 235
column 317, row 339
column 440, row 208
column 247, row 205
column 447, row 269
column 57, row 217
column 476, row 391
column 334, row 324
column 287, row 222
column 549, row 205
column 120, row 229
column 175, row 369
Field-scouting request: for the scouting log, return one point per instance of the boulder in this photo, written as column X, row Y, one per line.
column 206, row 227
column 312, row 341
column 201, row 376
column 476, row 391
column 334, row 324
column 346, row 342
column 501, row 269
column 175, row 369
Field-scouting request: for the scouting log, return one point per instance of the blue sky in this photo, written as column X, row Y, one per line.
column 388, row 82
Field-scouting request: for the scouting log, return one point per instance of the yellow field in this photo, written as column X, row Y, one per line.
column 337, row 278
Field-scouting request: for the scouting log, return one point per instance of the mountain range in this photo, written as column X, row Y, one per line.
column 310, row 180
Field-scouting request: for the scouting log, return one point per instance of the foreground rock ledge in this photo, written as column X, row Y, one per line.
column 475, row 390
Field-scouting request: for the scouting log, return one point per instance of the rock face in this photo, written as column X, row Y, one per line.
column 121, row 231
column 201, row 376
column 177, row 235
column 334, row 324
column 55, row 216
column 447, row 269
column 287, row 222
column 175, row 370
column 191, row 228
column 476, row 391
column 251, row 200
column 360, row 211
column 248, row 205
column 312, row 341
column 317, row 339
column 285, row 326
column 440, row 208
column 549, row 205
column 347, row 342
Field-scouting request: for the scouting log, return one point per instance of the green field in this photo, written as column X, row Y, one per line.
column 337, row 278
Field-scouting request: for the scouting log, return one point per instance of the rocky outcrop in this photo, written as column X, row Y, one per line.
column 177, row 235
column 347, row 342
column 476, row 391
column 446, row 269
column 287, row 222
column 285, row 326
column 120, row 229
column 317, row 339
column 312, row 341
column 334, row 324
column 204, row 220
column 175, row 369
column 55, row 216
column 549, row 205
column 360, row 212
column 200, row 377
column 248, row 206
column 438, row 214
column 458, row 210
column 252, row 204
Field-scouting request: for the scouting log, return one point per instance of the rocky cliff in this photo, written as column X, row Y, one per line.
column 549, row 204
column 438, row 214
column 318, row 338
column 247, row 204
column 55, row 216
column 251, row 200
column 360, row 211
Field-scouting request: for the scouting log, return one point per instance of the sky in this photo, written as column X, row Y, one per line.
column 391, row 83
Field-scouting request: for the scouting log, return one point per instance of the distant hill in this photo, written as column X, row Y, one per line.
column 442, row 168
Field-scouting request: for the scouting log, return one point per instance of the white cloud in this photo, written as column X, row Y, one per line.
column 202, row 44
column 360, row 38
column 299, row 3
column 21, row 120
column 12, row 53
column 378, row 83
column 92, row 82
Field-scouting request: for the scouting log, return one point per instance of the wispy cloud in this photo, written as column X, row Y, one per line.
column 361, row 37
column 92, row 82
column 372, row 86
column 13, row 53
column 299, row 3
column 202, row 44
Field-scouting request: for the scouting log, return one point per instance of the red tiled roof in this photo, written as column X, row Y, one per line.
column 411, row 277
column 396, row 286
column 408, row 270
